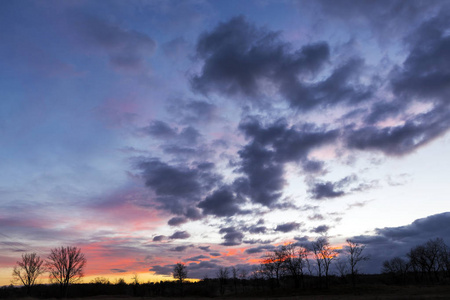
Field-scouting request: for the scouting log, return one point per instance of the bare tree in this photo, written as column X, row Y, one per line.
column 273, row 264
column 65, row 265
column 324, row 255
column 28, row 270
column 295, row 261
column 243, row 277
column 234, row 272
column 180, row 273
column 135, row 279
column 428, row 259
column 341, row 266
column 397, row 267
column 355, row 256
column 222, row 275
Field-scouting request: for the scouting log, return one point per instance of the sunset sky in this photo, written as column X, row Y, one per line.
column 208, row 132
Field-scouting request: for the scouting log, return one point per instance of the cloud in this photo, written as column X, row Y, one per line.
column 422, row 78
column 287, row 227
column 126, row 49
column 176, row 221
column 162, row 270
column 323, row 190
column 160, row 129
column 221, row 203
column 259, row 249
column 269, row 148
column 118, row 270
column 179, row 248
column 201, row 269
column 178, row 187
column 402, row 139
column 232, row 237
column 159, row 238
column 240, row 58
column 204, row 248
column 399, row 240
column 255, row 229
column 179, row 235
column 237, row 56
column 315, row 217
column 320, row 229
column 258, row 241
column 197, row 258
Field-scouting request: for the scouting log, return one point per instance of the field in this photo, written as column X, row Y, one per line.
column 371, row 293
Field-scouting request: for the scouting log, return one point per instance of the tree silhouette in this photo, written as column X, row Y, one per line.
column 28, row 270
column 65, row 265
column 180, row 273
column 324, row 254
column 355, row 256
column 222, row 275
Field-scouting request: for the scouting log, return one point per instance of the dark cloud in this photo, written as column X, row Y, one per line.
column 313, row 166
column 403, row 139
column 179, row 248
column 323, row 190
column 215, row 254
column 176, row 221
column 259, row 249
column 160, row 129
column 425, row 71
column 399, row 240
column 180, row 235
column 204, row 248
column 381, row 111
column 178, row 187
column 202, row 265
column 422, row 78
column 162, row 270
column 232, row 236
column 159, row 238
column 119, row 270
column 302, row 239
column 188, row 136
column 288, row 227
column 126, row 49
column 221, row 203
column 238, row 56
column 197, row 258
column 258, row 241
column 263, row 158
column 202, row 269
column 255, row 229
column 320, row 229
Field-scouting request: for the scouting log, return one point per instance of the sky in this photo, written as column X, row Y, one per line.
column 208, row 132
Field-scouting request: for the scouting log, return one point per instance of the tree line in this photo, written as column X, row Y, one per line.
column 292, row 266
column 426, row 263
